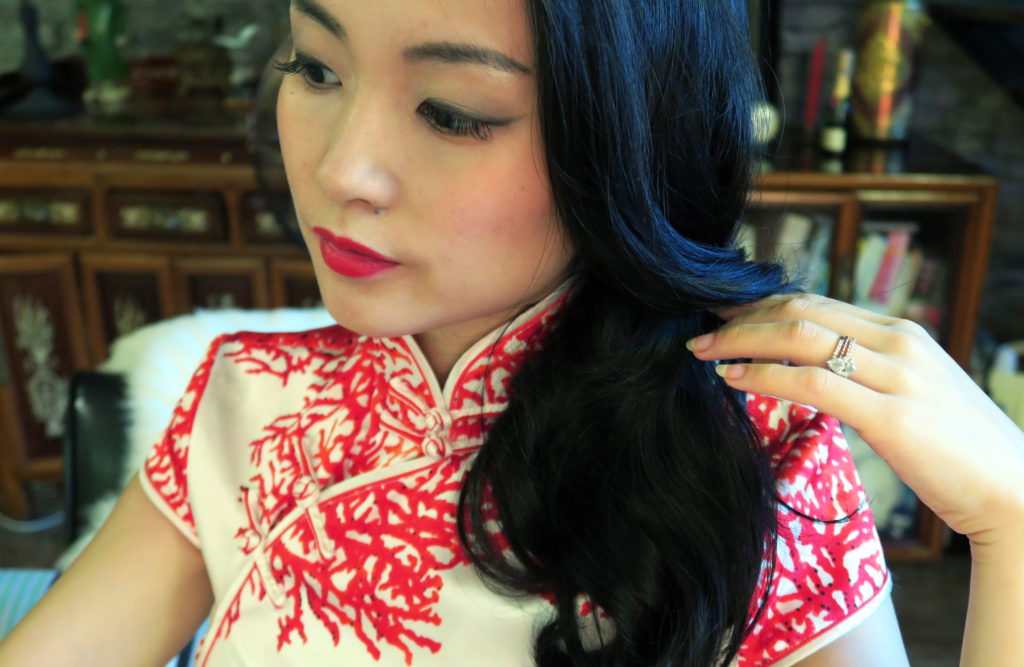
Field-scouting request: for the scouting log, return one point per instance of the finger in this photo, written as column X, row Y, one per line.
column 803, row 303
column 803, row 343
column 789, row 306
column 732, row 312
column 847, row 401
column 882, row 334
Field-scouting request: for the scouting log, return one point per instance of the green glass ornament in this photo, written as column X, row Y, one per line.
column 103, row 27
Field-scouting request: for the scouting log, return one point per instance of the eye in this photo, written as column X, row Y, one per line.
column 316, row 75
column 450, row 122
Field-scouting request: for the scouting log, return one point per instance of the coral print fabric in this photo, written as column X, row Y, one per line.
column 319, row 474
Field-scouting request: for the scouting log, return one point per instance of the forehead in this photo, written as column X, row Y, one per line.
column 496, row 24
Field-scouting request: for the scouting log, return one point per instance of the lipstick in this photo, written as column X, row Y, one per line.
column 350, row 259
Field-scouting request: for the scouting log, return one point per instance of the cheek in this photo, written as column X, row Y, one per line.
column 509, row 207
column 297, row 131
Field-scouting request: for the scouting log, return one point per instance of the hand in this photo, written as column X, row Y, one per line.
column 937, row 430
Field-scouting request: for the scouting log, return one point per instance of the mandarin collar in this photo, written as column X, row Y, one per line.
column 417, row 408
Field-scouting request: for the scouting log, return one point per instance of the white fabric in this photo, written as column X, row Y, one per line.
column 157, row 362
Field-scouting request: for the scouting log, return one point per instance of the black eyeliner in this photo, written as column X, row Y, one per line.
column 448, row 108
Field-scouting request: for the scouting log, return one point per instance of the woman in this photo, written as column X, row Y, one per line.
column 521, row 216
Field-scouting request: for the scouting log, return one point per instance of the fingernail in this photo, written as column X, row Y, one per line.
column 731, row 371
column 700, row 343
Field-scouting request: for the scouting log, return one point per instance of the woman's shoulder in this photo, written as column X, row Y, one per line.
column 784, row 425
column 247, row 351
column 813, row 466
column 830, row 571
column 329, row 338
column 239, row 363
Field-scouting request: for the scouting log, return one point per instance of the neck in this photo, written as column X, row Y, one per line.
column 442, row 352
column 444, row 347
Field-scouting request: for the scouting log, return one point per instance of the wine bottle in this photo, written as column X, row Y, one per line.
column 833, row 131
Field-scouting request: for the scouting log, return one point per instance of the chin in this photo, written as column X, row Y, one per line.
column 365, row 322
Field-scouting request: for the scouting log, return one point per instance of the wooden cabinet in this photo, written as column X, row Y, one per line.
column 103, row 230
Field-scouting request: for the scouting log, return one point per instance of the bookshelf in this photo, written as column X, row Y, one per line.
column 901, row 230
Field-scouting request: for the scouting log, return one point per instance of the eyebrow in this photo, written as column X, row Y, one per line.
column 442, row 52
column 315, row 11
column 461, row 54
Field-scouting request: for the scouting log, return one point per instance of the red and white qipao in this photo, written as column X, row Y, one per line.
column 319, row 472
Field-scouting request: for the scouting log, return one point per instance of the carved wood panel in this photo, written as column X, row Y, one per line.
column 45, row 211
column 44, row 345
column 198, row 216
column 121, row 294
column 259, row 226
column 293, row 285
column 218, row 283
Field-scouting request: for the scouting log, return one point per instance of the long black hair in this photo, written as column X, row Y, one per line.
column 625, row 472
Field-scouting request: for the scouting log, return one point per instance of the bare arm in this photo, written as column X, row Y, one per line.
column 876, row 641
column 994, row 633
column 134, row 596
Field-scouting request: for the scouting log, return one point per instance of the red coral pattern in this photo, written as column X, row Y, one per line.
column 365, row 563
column 164, row 467
column 827, row 568
column 390, row 541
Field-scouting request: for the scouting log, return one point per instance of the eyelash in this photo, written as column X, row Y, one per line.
column 310, row 70
column 441, row 119
column 455, row 124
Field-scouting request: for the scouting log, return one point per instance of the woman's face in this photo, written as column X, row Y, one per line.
column 411, row 129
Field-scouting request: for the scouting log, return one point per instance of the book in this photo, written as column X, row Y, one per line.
column 896, row 249
column 903, row 284
column 870, row 250
column 881, row 252
column 794, row 230
column 801, row 243
column 818, row 268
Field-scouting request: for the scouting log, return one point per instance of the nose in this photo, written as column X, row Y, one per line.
column 357, row 168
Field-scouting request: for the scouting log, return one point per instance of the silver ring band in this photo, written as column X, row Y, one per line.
column 842, row 363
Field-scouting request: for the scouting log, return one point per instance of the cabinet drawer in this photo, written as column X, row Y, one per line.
column 194, row 216
column 293, row 285
column 44, row 211
column 220, row 283
column 121, row 294
column 259, row 225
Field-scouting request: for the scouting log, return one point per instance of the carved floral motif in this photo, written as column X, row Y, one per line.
column 45, row 389
column 220, row 301
column 39, row 212
column 185, row 220
column 129, row 315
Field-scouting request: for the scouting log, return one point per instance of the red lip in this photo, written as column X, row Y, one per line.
column 350, row 259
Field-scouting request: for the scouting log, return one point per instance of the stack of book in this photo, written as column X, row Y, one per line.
column 891, row 275
column 895, row 278
column 801, row 243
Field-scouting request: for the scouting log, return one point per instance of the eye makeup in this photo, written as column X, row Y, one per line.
column 440, row 116
column 457, row 123
column 310, row 69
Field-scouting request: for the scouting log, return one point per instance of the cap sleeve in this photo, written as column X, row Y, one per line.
column 830, row 573
column 164, row 475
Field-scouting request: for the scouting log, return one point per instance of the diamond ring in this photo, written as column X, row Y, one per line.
column 842, row 363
